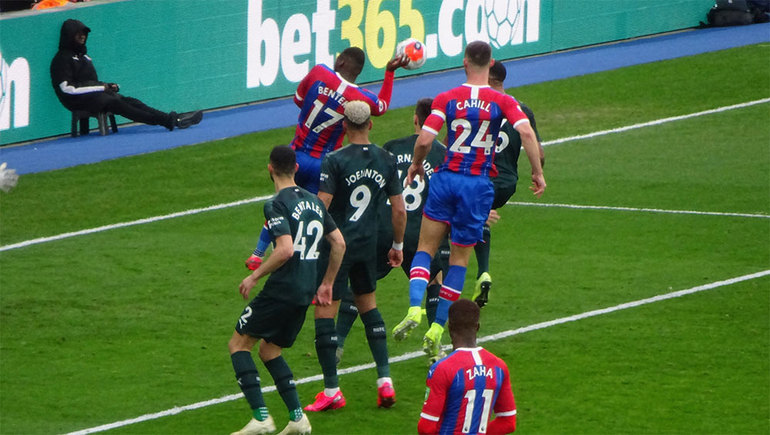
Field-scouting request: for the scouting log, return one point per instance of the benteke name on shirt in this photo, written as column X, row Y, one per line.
column 323, row 90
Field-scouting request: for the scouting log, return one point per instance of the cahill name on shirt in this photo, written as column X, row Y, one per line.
column 474, row 104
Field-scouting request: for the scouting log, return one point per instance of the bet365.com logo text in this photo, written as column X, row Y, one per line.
column 313, row 35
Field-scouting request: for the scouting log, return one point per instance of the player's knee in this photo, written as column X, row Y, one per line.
column 348, row 308
column 325, row 334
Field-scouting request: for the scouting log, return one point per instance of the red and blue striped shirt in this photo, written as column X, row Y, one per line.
column 463, row 390
column 321, row 97
column 473, row 115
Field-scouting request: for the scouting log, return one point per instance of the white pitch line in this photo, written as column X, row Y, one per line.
column 412, row 355
column 646, row 210
column 656, row 122
column 262, row 198
column 132, row 223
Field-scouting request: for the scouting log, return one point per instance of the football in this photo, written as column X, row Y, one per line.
column 414, row 50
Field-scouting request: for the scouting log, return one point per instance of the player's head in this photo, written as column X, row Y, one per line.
column 463, row 322
column 357, row 115
column 422, row 110
column 350, row 62
column 497, row 74
column 478, row 54
column 283, row 161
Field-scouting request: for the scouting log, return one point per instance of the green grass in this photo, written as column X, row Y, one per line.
column 110, row 326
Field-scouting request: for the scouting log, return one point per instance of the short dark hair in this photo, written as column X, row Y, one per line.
column 355, row 58
column 283, row 159
column 478, row 53
column 497, row 72
column 464, row 316
column 422, row 109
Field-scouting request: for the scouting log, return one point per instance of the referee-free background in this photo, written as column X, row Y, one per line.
column 121, row 325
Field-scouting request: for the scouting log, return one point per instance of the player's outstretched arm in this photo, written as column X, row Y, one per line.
column 284, row 250
column 337, row 242
column 386, row 91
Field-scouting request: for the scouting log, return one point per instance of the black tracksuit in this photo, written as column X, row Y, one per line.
column 76, row 84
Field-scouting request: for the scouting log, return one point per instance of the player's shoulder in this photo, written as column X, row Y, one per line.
column 437, row 146
column 382, row 153
column 321, row 69
column 287, row 195
column 395, row 145
column 489, row 358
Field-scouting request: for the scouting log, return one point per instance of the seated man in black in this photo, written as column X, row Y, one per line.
column 78, row 87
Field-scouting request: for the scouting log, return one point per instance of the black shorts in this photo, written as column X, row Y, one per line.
column 503, row 192
column 277, row 322
column 440, row 262
column 362, row 275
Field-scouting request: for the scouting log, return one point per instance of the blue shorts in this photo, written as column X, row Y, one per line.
column 463, row 202
column 308, row 175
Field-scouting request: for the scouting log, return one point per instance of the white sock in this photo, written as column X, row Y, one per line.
column 381, row 381
column 329, row 392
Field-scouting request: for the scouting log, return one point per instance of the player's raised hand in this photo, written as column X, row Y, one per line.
column 538, row 185
column 414, row 171
column 397, row 62
column 247, row 284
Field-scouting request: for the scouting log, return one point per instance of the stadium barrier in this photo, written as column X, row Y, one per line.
column 184, row 55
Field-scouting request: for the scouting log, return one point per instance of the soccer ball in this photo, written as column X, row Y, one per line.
column 414, row 50
column 502, row 17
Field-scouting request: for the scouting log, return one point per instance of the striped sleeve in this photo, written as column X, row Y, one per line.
column 69, row 89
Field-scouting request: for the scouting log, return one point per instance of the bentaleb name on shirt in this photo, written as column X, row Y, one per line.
column 306, row 205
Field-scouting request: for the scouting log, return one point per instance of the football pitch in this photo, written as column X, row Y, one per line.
column 633, row 297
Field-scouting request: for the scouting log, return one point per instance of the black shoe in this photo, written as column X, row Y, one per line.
column 187, row 119
column 171, row 121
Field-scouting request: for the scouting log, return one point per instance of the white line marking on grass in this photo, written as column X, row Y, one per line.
column 648, row 210
column 257, row 199
column 262, row 198
column 656, row 122
column 132, row 223
column 412, row 355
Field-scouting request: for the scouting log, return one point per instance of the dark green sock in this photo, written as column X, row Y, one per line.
column 284, row 383
column 326, row 349
column 345, row 318
column 431, row 301
column 248, row 379
column 482, row 252
column 377, row 338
